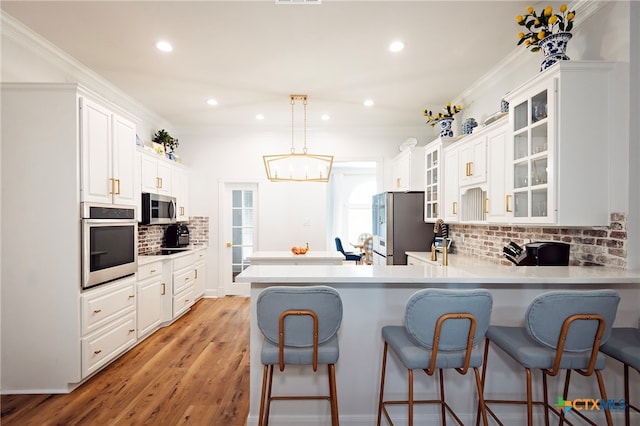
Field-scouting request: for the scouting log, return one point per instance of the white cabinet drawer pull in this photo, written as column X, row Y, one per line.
column 164, row 289
column 131, row 330
column 153, row 271
column 97, row 311
column 97, row 352
column 131, row 296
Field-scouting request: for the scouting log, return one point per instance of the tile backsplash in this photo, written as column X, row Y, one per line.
column 604, row 246
column 150, row 237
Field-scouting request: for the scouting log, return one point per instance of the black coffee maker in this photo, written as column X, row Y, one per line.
column 176, row 236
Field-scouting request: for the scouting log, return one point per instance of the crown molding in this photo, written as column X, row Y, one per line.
column 583, row 8
column 73, row 70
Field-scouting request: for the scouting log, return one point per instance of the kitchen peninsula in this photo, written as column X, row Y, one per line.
column 376, row 296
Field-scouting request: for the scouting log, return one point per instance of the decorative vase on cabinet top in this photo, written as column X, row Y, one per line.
column 554, row 48
column 445, row 127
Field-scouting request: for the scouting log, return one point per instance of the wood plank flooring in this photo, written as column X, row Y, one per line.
column 194, row 372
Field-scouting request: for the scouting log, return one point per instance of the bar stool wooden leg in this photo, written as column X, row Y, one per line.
column 603, row 395
column 333, row 394
column 481, row 406
column 627, row 410
column 264, row 390
column 410, row 404
column 266, row 415
column 529, row 399
column 382, row 374
column 443, row 413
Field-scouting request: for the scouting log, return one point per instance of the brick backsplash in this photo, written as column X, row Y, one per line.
column 605, row 246
column 150, row 237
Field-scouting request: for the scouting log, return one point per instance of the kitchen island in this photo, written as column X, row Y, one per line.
column 376, row 296
column 288, row 258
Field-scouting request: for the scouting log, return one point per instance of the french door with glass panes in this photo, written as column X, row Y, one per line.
column 239, row 234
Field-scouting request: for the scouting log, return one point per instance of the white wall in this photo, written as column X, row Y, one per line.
column 285, row 209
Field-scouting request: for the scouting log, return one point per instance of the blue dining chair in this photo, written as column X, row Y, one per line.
column 441, row 330
column 348, row 255
column 300, row 326
column 624, row 345
column 563, row 330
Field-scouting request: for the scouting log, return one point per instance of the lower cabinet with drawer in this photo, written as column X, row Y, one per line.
column 151, row 290
column 108, row 323
column 183, row 283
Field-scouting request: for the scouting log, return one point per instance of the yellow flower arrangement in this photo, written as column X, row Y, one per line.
column 543, row 24
column 449, row 111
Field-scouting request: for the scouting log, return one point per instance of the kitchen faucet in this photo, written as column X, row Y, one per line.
column 442, row 229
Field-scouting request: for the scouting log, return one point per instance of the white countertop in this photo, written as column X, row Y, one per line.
column 461, row 270
column 143, row 259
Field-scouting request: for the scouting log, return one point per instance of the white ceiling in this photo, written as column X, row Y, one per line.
column 251, row 55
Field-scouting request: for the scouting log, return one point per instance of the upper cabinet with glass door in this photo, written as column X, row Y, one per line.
column 433, row 177
column 558, row 152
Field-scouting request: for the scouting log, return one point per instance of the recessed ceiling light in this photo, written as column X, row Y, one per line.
column 164, row 46
column 396, row 46
column 212, row 102
column 368, row 103
column 325, row 117
column 259, row 117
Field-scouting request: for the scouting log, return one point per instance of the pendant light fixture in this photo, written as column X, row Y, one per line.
column 298, row 167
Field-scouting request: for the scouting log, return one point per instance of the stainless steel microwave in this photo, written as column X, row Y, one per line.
column 157, row 209
column 109, row 243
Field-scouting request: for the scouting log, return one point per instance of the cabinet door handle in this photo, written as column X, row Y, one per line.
column 164, row 289
column 118, row 182
column 485, row 206
column 113, row 183
column 131, row 296
column 153, row 271
column 398, row 180
column 435, row 209
column 186, row 279
column 507, row 202
column 97, row 352
column 131, row 330
column 181, row 211
column 196, row 275
column 159, row 182
column 455, row 207
column 470, row 168
column 97, row 311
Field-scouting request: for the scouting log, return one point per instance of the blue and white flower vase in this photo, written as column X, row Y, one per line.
column 445, row 127
column 468, row 125
column 504, row 106
column 554, row 48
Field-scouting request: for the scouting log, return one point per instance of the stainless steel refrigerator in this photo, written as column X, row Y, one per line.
column 398, row 227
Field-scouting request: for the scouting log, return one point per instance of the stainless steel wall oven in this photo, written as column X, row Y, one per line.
column 109, row 243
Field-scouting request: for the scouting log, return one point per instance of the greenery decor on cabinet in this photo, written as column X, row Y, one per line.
column 166, row 140
column 547, row 31
column 443, row 118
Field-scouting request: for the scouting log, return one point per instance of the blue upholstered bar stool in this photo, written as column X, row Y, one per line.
column 563, row 331
column 300, row 326
column 624, row 345
column 440, row 332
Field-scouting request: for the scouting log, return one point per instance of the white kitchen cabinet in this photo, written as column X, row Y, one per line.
column 200, row 273
column 499, row 202
column 108, row 155
column 183, row 283
column 407, row 170
column 180, row 186
column 433, row 178
column 108, row 323
column 155, row 174
column 151, row 290
column 451, row 192
column 472, row 169
column 558, row 150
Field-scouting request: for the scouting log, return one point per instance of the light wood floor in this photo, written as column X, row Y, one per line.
column 194, row 372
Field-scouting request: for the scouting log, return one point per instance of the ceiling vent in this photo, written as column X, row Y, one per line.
column 298, row 1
